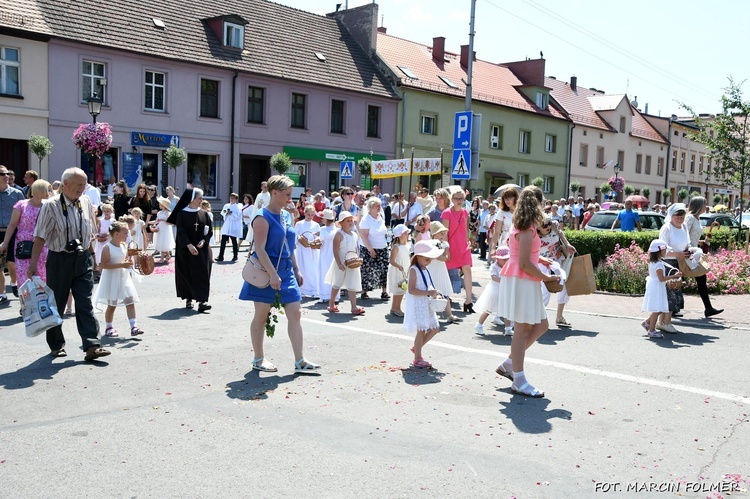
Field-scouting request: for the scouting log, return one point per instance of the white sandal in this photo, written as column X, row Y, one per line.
column 303, row 366
column 260, row 364
column 527, row 390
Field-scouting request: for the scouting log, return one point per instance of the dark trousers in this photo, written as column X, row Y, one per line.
column 224, row 239
column 703, row 292
column 68, row 272
column 482, row 241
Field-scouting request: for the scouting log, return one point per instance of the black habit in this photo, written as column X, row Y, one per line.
column 193, row 273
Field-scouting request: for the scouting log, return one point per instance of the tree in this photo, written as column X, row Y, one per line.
column 646, row 191
column 281, row 162
column 175, row 156
column 682, row 194
column 41, row 147
column 605, row 189
column 538, row 181
column 364, row 166
column 575, row 186
column 727, row 137
column 717, row 198
column 665, row 194
column 629, row 189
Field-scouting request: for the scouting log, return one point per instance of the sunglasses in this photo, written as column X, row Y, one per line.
column 3, row 174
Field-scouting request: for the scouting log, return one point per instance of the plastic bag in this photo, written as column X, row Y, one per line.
column 38, row 307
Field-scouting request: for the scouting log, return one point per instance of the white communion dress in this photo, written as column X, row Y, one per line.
column 163, row 239
column 395, row 276
column 418, row 315
column 116, row 285
column 308, row 258
column 349, row 279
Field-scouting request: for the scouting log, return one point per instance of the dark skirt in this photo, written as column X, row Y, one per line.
column 675, row 298
column 374, row 270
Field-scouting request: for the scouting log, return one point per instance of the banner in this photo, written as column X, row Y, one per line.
column 400, row 167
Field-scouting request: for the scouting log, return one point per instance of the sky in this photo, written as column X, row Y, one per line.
column 664, row 52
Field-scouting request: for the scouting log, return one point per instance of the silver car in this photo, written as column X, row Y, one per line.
column 602, row 220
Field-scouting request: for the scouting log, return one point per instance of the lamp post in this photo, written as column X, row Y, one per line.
column 95, row 106
column 707, row 179
column 617, row 174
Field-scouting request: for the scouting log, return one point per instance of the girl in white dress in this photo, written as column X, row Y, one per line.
column 655, row 300
column 139, row 237
column 339, row 275
column 116, row 285
column 397, row 267
column 419, row 317
column 108, row 216
column 308, row 258
column 326, row 254
column 163, row 240
column 488, row 300
column 439, row 270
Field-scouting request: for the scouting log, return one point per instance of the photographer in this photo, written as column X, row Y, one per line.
column 66, row 226
column 232, row 228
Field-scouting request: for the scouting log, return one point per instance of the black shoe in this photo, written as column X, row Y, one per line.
column 713, row 311
column 15, row 290
column 202, row 307
column 365, row 296
column 220, row 259
column 469, row 308
column 235, row 258
column 189, row 304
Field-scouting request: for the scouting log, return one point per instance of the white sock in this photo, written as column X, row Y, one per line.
column 519, row 378
column 507, row 365
column 132, row 322
column 109, row 325
column 12, row 283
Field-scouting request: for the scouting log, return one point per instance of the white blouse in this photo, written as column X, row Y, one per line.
column 677, row 239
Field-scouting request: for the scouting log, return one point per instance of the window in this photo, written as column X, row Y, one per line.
column 209, row 98
column 447, row 81
column 648, row 165
column 524, row 142
column 550, row 143
column 549, row 184
column 93, row 80
column 583, row 155
column 692, row 163
column 674, row 160
column 542, row 100
column 682, row 162
column 234, row 35
column 523, row 180
column 407, row 72
column 373, row 121
column 154, row 91
column 496, row 137
column 600, row 157
column 9, row 67
column 622, row 124
column 621, row 160
column 708, row 165
column 638, row 163
column 256, row 97
column 201, row 172
column 299, row 108
column 337, row 116
column 700, row 165
column 428, row 125
column 660, row 167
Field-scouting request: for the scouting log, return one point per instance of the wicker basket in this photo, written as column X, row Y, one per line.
column 312, row 241
column 133, row 249
column 301, row 239
column 144, row 263
column 553, row 286
column 675, row 284
column 352, row 260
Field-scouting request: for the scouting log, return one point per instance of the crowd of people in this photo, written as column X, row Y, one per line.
column 414, row 248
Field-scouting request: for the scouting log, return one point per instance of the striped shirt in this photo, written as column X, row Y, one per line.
column 52, row 222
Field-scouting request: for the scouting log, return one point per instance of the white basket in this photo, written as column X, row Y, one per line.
column 438, row 304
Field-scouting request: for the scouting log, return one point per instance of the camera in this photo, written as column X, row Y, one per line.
column 74, row 246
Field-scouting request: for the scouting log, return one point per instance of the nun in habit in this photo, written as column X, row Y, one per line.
column 192, row 250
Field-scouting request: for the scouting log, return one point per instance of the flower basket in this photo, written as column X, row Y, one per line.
column 352, row 260
column 617, row 183
column 93, row 138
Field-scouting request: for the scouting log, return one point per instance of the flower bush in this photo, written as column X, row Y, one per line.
column 625, row 271
column 93, row 138
column 616, row 183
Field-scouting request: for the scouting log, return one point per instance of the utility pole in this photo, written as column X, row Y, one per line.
column 471, row 56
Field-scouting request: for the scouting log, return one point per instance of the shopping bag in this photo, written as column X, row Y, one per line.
column 581, row 280
column 701, row 270
column 38, row 307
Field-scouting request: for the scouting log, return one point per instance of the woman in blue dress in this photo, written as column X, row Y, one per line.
column 274, row 238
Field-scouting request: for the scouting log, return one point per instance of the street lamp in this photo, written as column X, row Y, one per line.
column 95, row 106
column 617, row 169
column 707, row 179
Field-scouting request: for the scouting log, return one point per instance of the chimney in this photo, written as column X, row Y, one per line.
column 465, row 56
column 574, row 83
column 362, row 25
column 438, row 48
column 382, row 29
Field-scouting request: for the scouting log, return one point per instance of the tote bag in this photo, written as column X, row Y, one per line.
column 581, row 280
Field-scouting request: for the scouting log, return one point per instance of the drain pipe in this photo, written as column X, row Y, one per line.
column 231, row 139
column 669, row 154
column 570, row 158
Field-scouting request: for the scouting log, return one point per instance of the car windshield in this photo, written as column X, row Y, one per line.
column 602, row 220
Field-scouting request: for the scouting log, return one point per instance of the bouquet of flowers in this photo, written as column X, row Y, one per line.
column 93, row 138
column 617, row 183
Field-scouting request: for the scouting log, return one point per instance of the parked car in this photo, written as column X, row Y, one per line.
column 722, row 219
column 746, row 219
column 602, row 220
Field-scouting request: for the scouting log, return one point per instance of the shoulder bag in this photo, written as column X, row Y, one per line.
column 254, row 274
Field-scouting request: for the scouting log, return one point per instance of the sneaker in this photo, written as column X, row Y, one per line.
column 479, row 328
column 498, row 320
column 667, row 328
column 508, row 331
column 655, row 334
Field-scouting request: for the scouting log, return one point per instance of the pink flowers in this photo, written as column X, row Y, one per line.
column 93, row 138
column 616, row 183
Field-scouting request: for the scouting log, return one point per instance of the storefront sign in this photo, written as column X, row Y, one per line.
column 132, row 169
column 148, row 139
column 401, row 167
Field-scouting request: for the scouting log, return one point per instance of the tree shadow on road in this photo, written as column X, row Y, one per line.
column 421, row 376
column 26, row 377
column 255, row 386
column 530, row 415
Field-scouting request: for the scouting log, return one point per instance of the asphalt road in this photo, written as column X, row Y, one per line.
column 178, row 412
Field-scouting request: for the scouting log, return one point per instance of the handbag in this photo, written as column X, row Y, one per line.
column 38, row 306
column 699, row 271
column 581, row 280
column 253, row 272
column 23, row 249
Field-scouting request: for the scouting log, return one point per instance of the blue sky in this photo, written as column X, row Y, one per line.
column 663, row 51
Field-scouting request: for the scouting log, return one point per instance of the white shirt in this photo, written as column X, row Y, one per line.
column 414, row 211
column 377, row 231
column 232, row 220
column 262, row 200
column 94, row 195
column 111, row 190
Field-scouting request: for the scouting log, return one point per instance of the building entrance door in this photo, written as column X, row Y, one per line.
column 253, row 171
column 152, row 166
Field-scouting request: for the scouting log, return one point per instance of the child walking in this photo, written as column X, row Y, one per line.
column 655, row 300
column 327, row 233
column 139, row 237
column 339, row 275
column 419, row 317
column 116, row 285
column 163, row 239
column 439, row 270
column 488, row 301
column 108, row 216
column 398, row 264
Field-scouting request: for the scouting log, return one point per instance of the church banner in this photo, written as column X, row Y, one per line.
column 400, row 167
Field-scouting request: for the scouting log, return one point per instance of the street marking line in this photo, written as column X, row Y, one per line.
column 560, row 365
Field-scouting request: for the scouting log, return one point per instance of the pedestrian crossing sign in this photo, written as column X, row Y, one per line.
column 461, row 164
column 347, row 170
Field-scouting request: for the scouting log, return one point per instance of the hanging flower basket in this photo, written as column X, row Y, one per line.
column 93, row 138
column 617, row 183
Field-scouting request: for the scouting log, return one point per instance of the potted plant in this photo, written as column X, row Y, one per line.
column 41, row 147
column 364, row 166
column 645, row 191
column 281, row 162
column 93, row 138
column 665, row 195
column 682, row 194
column 175, row 156
column 717, row 198
column 629, row 189
column 605, row 189
column 575, row 186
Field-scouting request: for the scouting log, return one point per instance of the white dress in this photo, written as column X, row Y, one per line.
column 138, row 236
column 489, row 298
column 394, row 275
column 116, row 285
column 325, row 259
column 232, row 225
column 507, row 220
column 103, row 229
column 418, row 315
column 655, row 299
column 350, row 279
column 163, row 240
column 440, row 277
column 307, row 258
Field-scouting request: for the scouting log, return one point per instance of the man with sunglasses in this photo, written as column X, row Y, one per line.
column 9, row 196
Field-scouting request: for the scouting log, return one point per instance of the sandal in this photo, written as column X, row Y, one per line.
column 452, row 319
column 261, row 365
column 60, row 352
column 385, row 296
column 358, row 311
column 527, row 390
column 421, row 363
column 135, row 331
column 655, row 334
column 333, row 310
column 644, row 325
column 562, row 322
column 502, row 372
column 303, row 366
column 397, row 313
column 365, row 296
column 95, row 352
column 111, row 332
